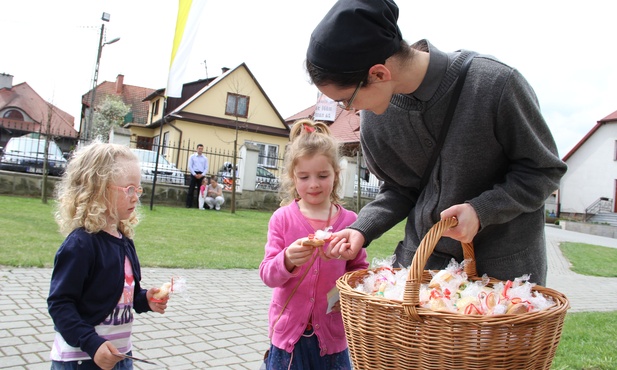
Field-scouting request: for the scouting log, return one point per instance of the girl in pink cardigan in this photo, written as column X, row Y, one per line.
column 306, row 333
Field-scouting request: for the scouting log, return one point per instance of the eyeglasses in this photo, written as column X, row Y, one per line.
column 130, row 191
column 347, row 104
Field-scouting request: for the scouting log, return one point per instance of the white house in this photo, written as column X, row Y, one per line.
column 591, row 178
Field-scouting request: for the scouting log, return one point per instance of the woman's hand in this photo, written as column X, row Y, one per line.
column 345, row 244
column 468, row 222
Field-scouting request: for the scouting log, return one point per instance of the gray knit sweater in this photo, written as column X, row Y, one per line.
column 499, row 156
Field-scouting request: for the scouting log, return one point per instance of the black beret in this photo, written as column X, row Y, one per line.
column 355, row 35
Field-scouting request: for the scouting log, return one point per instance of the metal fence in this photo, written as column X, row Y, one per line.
column 220, row 166
column 174, row 157
column 220, row 162
column 64, row 137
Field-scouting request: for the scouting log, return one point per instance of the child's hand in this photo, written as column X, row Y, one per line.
column 104, row 356
column 157, row 305
column 297, row 254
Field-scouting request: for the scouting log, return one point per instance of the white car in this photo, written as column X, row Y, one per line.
column 27, row 154
column 266, row 179
column 166, row 172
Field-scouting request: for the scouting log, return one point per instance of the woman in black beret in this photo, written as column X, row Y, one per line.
column 492, row 168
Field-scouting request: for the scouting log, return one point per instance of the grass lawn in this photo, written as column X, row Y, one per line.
column 592, row 260
column 192, row 238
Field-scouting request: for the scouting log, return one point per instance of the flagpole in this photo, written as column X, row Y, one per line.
column 158, row 151
column 187, row 22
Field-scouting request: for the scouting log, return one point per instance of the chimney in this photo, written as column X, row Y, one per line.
column 119, row 84
column 224, row 69
column 6, row 81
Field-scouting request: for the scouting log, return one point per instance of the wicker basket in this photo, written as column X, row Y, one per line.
column 390, row 334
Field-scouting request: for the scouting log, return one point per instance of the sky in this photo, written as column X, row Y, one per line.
column 566, row 50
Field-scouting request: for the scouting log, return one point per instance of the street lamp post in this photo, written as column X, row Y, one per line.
column 86, row 135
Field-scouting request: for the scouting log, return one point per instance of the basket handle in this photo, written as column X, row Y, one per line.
column 411, row 296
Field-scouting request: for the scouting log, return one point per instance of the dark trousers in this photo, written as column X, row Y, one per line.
column 195, row 183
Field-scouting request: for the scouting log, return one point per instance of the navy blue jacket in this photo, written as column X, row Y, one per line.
column 86, row 284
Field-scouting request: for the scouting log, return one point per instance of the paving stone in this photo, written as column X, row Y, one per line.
column 229, row 332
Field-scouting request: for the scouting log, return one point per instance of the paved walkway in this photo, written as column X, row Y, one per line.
column 579, row 289
column 221, row 323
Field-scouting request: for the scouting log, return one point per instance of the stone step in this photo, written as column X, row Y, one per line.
column 609, row 218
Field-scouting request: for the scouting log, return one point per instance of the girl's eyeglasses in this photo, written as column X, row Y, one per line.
column 130, row 191
column 346, row 104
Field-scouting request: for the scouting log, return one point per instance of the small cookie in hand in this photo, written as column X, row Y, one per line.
column 163, row 293
column 313, row 242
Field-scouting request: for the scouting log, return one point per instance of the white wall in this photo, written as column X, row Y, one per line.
column 118, row 135
column 592, row 171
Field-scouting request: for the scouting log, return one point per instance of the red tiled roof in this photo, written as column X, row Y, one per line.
column 133, row 96
column 23, row 97
column 345, row 128
column 611, row 118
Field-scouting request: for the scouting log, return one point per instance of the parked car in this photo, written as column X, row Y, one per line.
column 264, row 178
column 166, row 172
column 27, row 154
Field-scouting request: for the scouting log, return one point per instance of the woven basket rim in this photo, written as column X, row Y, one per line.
column 561, row 303
column 412, row 306
column 385, row 334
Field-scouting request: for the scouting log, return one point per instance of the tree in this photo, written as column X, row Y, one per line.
column 110, row 113
column 46, row 153
column 235, row 85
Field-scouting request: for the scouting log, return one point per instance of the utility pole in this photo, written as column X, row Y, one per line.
column 86, row 133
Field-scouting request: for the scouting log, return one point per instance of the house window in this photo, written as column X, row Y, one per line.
column 237, row 105
column 165, row 142
column 615, row 156
column 144, row 142
column 155, row 107
column 13, row 114
column 155, row 143
column 268, row 155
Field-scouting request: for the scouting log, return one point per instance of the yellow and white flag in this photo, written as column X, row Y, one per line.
column 187, row 24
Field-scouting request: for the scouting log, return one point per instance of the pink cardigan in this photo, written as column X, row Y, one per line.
column 286, row 225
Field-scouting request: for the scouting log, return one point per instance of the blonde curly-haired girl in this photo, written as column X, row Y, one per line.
column 95, row 282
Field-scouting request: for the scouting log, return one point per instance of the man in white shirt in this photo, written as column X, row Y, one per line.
column 198, row 166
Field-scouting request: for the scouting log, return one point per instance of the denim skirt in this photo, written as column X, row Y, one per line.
column 305, row 356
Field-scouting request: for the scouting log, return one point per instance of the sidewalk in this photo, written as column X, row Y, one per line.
column 222, row 322
column 579, row 289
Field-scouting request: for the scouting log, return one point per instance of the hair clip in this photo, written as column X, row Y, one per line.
column 308, row 128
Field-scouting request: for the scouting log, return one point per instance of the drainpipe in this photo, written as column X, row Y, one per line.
column 179, row 141
column 175, row 117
